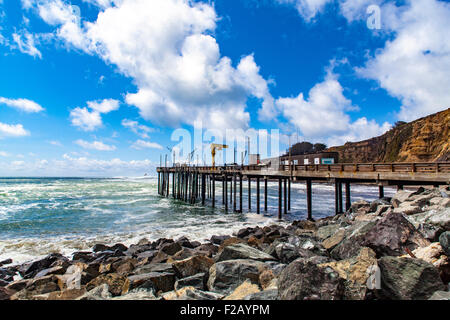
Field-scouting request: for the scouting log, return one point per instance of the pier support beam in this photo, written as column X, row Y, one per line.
column 348, row 202
column 258, row 211
column 289, row 194
column 240, row 193
column 213, row 191
column 279, row 198
column 249, row 193
column 285, row 196
column 225, row 178
column 309, row 199
column 235, row 193
column 381, row 192
column 336, row 197
column 341, row 203
column 265, row 194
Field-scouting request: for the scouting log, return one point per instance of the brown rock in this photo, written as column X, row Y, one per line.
column 334, row 240
column 191, row 266
column 229, row 242
column 265, row 278
column 116, row 283
column 242, row 291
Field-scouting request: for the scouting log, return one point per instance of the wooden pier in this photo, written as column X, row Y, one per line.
column 196, row 183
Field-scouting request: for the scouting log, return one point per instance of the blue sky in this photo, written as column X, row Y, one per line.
column 97, row 87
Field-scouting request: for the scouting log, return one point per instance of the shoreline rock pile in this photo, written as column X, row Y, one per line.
column 395, row 248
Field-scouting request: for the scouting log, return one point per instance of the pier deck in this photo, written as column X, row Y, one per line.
column 191, row 183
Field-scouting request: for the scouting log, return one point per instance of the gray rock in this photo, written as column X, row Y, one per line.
column 400, row 197
column 242, row 251
column 392, row 235
column 266, row 295
column 158, row 280
column 194, row 294
column 374, row 205
column 287, row 252
column 225, row 276
column 156, row 267
column 327, row 231
column 304, row 280
column 198, row 281
column 438, row 218
column 444, row 240
column 407, row 278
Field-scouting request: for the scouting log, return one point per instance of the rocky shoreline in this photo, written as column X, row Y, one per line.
column 392, row 248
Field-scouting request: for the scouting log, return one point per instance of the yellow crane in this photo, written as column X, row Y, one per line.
column 215, row 147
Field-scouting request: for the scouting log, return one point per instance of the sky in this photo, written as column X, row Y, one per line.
column 107, row 87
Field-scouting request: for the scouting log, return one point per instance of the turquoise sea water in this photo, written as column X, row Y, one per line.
column 43, row 215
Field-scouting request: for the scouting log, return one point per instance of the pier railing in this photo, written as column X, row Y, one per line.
column 438, row 167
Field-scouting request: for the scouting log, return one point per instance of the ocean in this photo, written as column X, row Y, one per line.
column 39, row 216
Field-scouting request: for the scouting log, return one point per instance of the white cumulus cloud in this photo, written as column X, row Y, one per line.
column 95, row 145
column 141, row 144
column 12, row 130
column 22, row 104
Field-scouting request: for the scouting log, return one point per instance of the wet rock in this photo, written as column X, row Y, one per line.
column 184, row 253
column 161, row 257
column 219, row 239
column 408, row 278
column 244, row 232
column 184, row 242
column 37, row 286
column 242, row 291
column 392, row 235
column 440, row 295
column 266, row 295
column 98, row 293
column 198, row 281
column 29, row 271
column 171, row 248
column 304, row 280
column 242, row 251
column 158, row 280
column 119, row 247
column 225, row 276
column 191, row 266
column 100, row 247
column 229, row 242
column 5, row 262
column 149, row 255
column 207, row 249
column 444, row 240
column 116, row 283
column 157, row 267
column 124, row 266
column 7, row 274
column 50, row 271
column 356, row 272
column 83, row 256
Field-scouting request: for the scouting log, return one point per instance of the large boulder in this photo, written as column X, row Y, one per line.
column 191, row 266
column 30, row 270
column 408, row 278
column 225, row 276
column 101, row 292
column 198, row 281
column 400, row 197
column 155, row 280
column 435, row 255
column 392, row 235
column 116, row 283
column 359, row 273
column 242, row 251
column 437, row 218
column 304, row 280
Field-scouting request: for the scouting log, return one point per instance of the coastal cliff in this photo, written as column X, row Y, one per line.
column 424, row 140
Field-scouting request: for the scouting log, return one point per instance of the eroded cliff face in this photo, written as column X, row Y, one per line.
column 423, row 140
